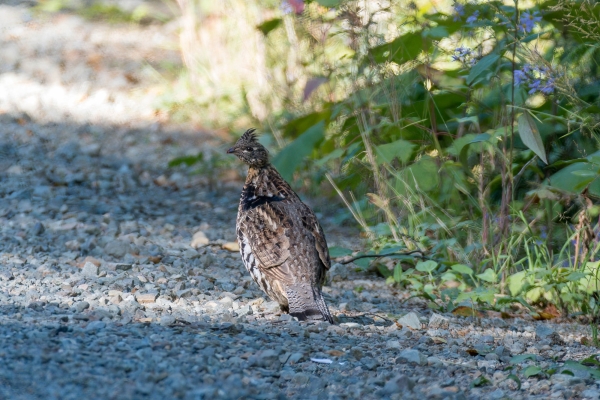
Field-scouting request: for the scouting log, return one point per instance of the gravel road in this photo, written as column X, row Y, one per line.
column 120, row 278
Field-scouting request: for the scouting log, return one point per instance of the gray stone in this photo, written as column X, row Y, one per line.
column 591, row 394
column 95, row 326
column 497, row 394
column 398, row 384
column 265, row 358
column 81, row 306
column 117, row 248
column 437, row 321
column 37, row 229
column 89, row 270
column 295, row 358
column 412, row 356
column 369, row 363
column 166, row 320
column 545, row 332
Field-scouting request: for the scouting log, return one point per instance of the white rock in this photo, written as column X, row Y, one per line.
column 410, row 320
column 89, row 270
column 438, row 321
column 199, row 240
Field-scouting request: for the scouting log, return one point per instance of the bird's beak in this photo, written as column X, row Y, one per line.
column 231, row 150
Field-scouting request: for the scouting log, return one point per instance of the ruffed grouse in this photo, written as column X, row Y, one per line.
column 281, row 242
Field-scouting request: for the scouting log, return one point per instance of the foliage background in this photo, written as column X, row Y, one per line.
column 462, row 134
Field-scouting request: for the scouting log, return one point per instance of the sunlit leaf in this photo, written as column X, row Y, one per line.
column 269, row 25
column 488, row 275
column 530, row 135
column 462, row 269
column 532, row 370
column 482, row 65
column 400, row 149
column 426, row 266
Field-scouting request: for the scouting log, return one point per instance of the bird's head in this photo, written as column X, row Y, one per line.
column 250, row 151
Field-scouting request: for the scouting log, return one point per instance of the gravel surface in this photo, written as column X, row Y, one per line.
column 120, row 278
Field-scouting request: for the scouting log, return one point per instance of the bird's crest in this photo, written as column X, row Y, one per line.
column 249, row 135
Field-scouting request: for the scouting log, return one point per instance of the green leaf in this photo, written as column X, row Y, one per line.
column 480, row 381
column 482, row 65
column 398, row 272
column 516, row 379
column 399, row 50
column 488, row 275
column 269, row 25
column 401, row 149
column 532, row 370
column 515, row 282
column 464, row 150
column 575, row 276
column 585, row 173
column 426, row 266
column 531, row 136
column 329, row 3
column 336, row 251
column 186, row 160
column 462, row 269
column 289, row 158
column 521, row 357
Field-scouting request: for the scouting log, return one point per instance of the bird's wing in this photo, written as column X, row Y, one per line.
column 309, row 220
column 265, row 227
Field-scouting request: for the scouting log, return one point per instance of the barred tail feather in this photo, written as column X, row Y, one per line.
column 307, row 303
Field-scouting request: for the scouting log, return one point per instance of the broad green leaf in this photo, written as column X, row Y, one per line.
column 336, row 251
column 398, row 272
column 329, row 3
column 521, row 357
column 464, row 150
column 575, row 276
column 585, row 173
column 289, row 158
column 401, row 149
column 531, row 136
column 482, row 65
column 568, row 181
column 399, row 50
column 462, row 269
column 515, row 282
column 448, row 276
column 488, row 275
column 532, row 370
column 269, row 25
column 426, row 266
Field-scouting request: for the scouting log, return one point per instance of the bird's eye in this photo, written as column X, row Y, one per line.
column 248, row 148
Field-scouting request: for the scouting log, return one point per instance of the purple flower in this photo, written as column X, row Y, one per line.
column 520, row 77
column 528, row 21
column 461, row 54
column 534, row 86
column 459, row 11
column 548, row 88
column 473, row 18
column 286, row 7
column 289, row 6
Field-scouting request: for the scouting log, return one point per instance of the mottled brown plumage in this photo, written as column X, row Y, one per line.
column 281, row 242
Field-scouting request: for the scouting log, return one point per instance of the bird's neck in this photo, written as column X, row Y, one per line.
column 257, row 174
